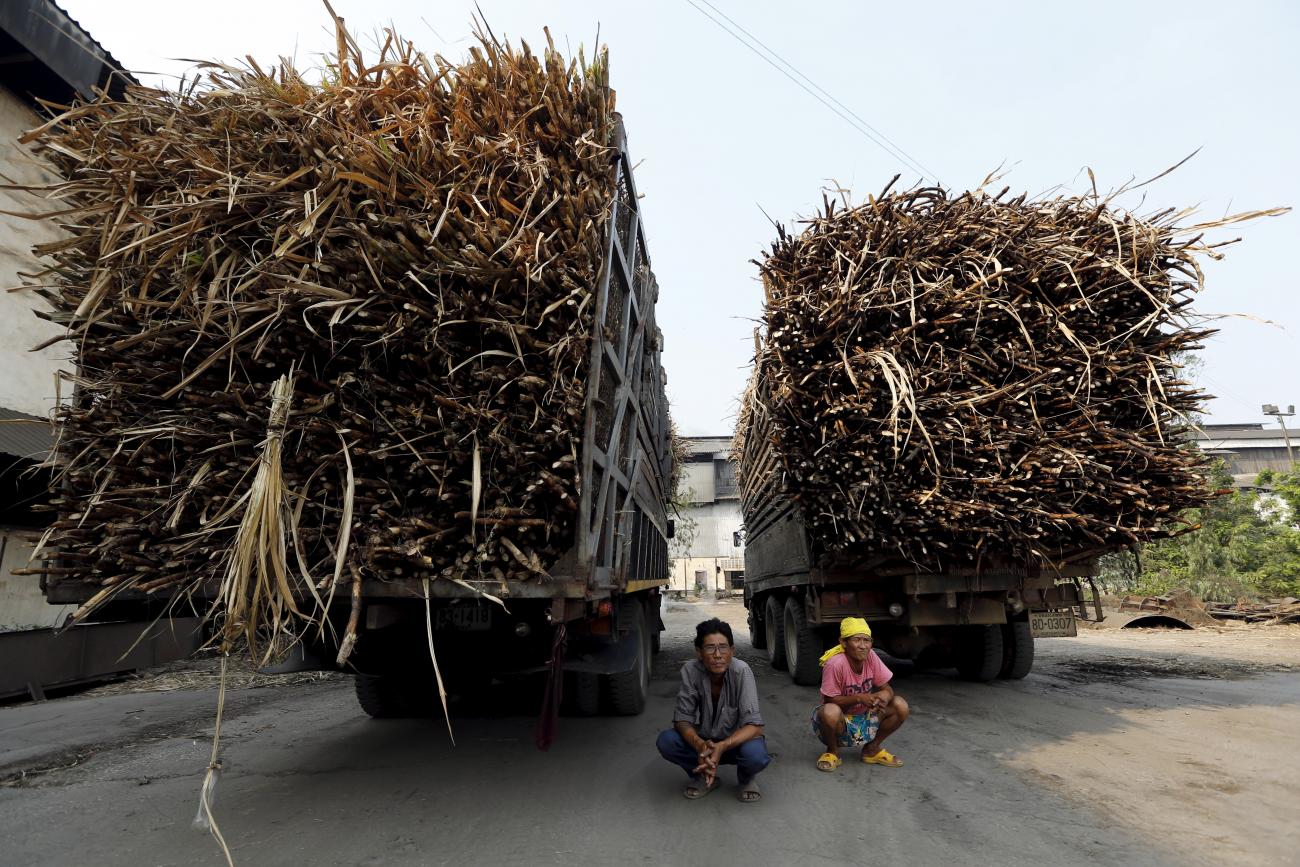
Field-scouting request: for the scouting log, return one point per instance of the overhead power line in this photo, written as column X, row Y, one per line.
column 783, row 66
column 896, row 149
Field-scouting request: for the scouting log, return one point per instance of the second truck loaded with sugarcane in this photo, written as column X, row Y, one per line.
column 958, row 404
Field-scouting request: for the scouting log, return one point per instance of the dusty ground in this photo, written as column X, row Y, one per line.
column 1202, row 749
column 1123, row 747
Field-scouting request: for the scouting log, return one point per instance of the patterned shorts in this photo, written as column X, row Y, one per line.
column 859, row 728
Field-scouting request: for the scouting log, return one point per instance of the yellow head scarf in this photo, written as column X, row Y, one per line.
column 849, row 626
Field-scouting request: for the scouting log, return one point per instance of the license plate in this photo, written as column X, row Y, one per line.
column 469, row 618
column 1052, row 624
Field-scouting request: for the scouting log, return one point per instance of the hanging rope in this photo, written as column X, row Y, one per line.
column 207, row 792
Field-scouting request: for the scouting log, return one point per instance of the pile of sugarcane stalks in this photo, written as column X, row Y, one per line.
column 947, row 380
column 326, row 331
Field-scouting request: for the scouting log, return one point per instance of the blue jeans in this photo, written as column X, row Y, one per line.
column 749, row 758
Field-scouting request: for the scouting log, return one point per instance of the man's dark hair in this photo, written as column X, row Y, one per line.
column 713, row 626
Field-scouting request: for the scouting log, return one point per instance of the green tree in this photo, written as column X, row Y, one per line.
column 686, row 529
column 1286, row 487
column 1245, row 547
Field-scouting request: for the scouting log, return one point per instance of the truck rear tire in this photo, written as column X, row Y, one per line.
column 802, row 647
column 980, row 656
column 757, row 628
column 1017, row 650
column 584, row 693
column 774, row 626
column 388, row 696
column 628, row 689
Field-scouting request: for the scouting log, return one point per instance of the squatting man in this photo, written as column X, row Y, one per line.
column 716, row 720
column 859, row 708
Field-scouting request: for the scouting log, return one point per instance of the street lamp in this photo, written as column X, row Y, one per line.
column 1272, row 409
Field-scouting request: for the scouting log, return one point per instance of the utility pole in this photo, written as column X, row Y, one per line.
column 1272, row 409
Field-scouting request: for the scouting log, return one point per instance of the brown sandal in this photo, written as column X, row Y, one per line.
column 696, row 789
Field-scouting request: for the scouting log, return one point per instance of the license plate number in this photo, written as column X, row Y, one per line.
column 1052, row 624
column 468, row 618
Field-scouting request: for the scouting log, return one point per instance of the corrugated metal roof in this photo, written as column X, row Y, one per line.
column 1220, row 435
column 25, row 436
column 1236, row 426
column 108, row 55
column 719, row 446
column 1275, row 441
column 52, row 57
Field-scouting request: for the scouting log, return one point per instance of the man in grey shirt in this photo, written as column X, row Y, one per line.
column 716, row 721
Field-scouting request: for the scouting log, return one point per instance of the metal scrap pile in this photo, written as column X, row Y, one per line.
column 1183, row 605
column 1278, row 610
column 947, row 379
column 327, row 330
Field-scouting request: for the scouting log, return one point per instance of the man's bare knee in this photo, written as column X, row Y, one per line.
column 831, row 715
column 898, row 708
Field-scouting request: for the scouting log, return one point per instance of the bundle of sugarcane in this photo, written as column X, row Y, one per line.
column 948, row 380
column 326, row 331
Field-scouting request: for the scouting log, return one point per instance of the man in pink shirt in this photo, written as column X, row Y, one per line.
column 858, row 708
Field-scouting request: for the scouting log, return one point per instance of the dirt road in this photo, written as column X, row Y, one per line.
column 1120, row 748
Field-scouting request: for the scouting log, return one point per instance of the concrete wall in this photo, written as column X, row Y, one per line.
column 21, row 603
column 26, row 378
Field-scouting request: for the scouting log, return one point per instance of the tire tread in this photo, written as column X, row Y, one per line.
column 805, row 668
column 775, row 616
column 626, row 689
column 981, row 659
column 1017, row 650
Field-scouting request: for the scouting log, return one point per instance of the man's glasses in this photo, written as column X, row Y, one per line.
column 716, row 649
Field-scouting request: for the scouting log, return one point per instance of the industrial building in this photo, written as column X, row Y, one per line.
column 708, row 548
column 1248, row 449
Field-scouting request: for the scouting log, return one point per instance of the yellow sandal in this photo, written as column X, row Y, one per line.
column 884, row 757
column 828, row 762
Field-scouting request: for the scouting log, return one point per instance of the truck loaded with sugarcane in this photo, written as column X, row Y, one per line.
column 367, row 372
column 958, row 403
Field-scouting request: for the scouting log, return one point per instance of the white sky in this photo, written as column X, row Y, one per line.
column 1126, row 88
